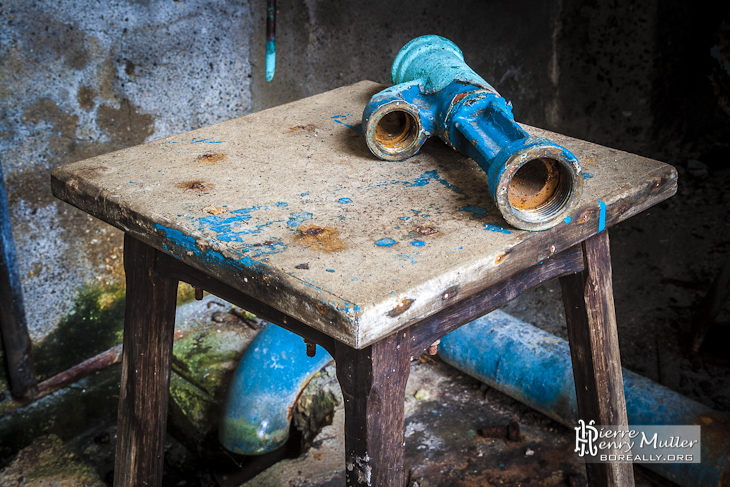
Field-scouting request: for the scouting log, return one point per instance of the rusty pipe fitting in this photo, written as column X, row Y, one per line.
column 533, row 181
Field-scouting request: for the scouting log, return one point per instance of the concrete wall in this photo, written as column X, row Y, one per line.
column 83, row 78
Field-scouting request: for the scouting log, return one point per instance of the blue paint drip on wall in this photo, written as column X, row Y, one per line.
column 601, row 216
column 477, row 211
column 270, row 59
column 385, row 242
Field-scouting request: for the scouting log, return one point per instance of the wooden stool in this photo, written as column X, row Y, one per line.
column 285, row 213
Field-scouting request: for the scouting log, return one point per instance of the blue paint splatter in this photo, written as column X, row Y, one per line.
column 207, row 141
column 587, row 175
column 414, row 261
column 344, row 201
column 477, row 211
column 567, row 219
column 304, row 194
column 418, row 243
column 601, row 216
column 385, row 242
column 330, row 270
column 405, row 218
column 496, row 228
column 336, row 118
column 187, row 243
column 429, row 176
column 296, row 219
column 282, row 204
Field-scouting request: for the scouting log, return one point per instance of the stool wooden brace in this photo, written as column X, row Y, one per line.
column 286, row 214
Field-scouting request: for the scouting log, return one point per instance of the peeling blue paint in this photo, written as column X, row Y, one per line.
column 429, row 176
column 418, row 243
column 296, row 219
column 385, row 242
column 227, row 225
column 601, row 216
column 496, row 228
column 187, row 243
column 477, row 211
column 282, row 204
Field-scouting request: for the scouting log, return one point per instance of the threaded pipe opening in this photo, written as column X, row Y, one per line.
column 396, row 132
column 540, row 189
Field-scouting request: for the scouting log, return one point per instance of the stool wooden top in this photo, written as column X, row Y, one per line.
column 289, row 206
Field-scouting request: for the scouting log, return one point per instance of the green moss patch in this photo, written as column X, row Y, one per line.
column 95, row 324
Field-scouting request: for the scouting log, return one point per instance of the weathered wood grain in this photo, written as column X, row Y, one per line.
column 373, row 382
column 174, row 268
column 425, row 332
column 594, row 349
column 149, row 325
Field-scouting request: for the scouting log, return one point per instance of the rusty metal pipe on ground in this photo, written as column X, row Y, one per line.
column 533, row 181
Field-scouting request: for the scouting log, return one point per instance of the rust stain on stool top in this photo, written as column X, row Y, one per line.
column 211, row 157
column 325, row 239
column 195, row 185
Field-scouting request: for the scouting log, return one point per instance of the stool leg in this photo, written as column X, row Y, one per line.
column 591, row 318
column 149, row 325
column 373, row 382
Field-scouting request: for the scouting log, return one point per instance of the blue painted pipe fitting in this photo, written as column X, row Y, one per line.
column 264, row 390
column 535, row 368
column 533, row 181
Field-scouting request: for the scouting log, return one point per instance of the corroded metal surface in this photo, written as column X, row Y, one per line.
column 534, row 182
column 289, row 206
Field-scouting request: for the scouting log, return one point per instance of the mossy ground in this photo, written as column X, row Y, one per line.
column 47, row 462
column 94, row 324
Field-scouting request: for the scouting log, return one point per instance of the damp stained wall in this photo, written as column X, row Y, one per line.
column 79, row 79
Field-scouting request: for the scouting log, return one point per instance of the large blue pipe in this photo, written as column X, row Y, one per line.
column 264, row 389
column 535, row 368
column 533, row 181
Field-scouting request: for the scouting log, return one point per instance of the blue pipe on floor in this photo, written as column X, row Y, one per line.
column 535, row 368
column 264, row 390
